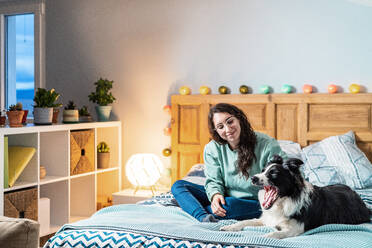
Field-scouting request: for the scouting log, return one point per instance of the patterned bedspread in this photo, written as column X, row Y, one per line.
column 98, row 237
column 111, row 239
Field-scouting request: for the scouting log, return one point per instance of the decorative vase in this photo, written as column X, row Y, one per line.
column 103, row 160
column 70, row 116
column 55, row 115
column 42, row 172
column 103, row 113
column 43, row 116
column 15, row 118
column 24, row 118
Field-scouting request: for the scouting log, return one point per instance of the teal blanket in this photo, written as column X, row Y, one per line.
column 172, row 222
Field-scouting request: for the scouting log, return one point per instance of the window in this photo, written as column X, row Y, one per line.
column 19, row 60
column 22, row 61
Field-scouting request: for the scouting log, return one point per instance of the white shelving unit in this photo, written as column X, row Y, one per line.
column 72, row 197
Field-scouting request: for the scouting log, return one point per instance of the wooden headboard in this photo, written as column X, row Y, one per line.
column 303, row 118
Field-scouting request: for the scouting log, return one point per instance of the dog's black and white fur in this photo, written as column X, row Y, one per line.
column 292, row 205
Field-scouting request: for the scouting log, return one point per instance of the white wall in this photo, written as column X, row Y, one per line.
column 151, row 48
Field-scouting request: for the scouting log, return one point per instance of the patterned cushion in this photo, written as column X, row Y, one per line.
column 337, row 159
column 292, row 149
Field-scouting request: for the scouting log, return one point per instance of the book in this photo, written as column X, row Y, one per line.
column 6, row 166
column 18, row 158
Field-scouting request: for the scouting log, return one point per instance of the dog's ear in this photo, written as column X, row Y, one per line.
column 292, row 164
column 276, row 159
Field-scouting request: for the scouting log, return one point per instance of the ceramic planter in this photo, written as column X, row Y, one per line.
column 85, row 118
column 103, row 113
column 55, row 115
column 103, row 160
column 70, row 116
column 15, row 118
column 43, row 116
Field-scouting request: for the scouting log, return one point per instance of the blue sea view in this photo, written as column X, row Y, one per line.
column 26, row 97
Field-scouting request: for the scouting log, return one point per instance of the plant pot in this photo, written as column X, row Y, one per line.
column 24, row 118
column 85, row 118
column 103, row 113
column 103, row 160
column 15, row 118
column 55, row 115
column 70, row 116
column 43, row 116
column 2, row 121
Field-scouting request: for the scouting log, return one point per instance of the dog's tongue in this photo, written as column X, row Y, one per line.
column 271, row 193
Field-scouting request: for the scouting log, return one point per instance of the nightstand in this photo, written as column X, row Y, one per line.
column 128, row 196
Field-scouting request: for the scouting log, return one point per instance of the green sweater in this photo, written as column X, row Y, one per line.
column 222, row 174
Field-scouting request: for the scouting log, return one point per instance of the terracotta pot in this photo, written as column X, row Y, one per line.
column 24, row 118
column 103, row 160
column 15, row 118
column 2, row 120
column 55, row 115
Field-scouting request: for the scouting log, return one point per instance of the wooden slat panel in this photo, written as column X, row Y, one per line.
column 286, row 124
column 256, row 114
column 189, row 125
column 339, row 116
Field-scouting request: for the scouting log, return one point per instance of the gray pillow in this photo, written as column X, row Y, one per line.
column 18, row 233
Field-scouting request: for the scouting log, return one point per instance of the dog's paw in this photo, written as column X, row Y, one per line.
column 275, row 235
column 231, row 228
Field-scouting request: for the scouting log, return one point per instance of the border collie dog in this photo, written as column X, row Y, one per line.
column 292, row 205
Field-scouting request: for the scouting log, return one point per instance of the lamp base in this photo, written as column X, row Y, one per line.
column 152, row 188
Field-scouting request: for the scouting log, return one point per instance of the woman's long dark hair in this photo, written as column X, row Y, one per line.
column 247, row 141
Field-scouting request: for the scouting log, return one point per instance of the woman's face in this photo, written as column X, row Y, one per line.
column 228, row 127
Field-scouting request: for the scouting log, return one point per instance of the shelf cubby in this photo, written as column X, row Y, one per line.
column 58, row 195
column 110, row 135
column 29, row 175
column 53, row 157
column 82, row 196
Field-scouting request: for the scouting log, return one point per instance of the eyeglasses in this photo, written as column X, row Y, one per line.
column 229, row 122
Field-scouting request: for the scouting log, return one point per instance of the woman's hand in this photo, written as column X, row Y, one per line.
column 216, row 205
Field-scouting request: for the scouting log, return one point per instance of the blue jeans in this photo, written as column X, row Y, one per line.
column 193, row 199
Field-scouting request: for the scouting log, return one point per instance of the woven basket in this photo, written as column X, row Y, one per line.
column 21, row 204
column 81, row 151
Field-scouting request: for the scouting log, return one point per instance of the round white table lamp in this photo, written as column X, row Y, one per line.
column 144, row 170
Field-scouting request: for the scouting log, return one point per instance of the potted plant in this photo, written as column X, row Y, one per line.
column 56, row 107
column 43, row 108
column 84, row 115
column 70, row 113
column 103, row 97
column 103, row 155
column 2, row 118
column 19, row 107
column 15, row 114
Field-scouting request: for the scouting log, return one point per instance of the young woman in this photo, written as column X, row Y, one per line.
column 234, row 155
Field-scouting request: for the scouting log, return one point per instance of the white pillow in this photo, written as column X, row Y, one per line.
column 292, row 149
column 337, row 159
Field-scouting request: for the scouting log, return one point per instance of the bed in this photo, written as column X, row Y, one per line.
column 330, row 133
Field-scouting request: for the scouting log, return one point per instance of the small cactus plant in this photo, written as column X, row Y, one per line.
column 70, row 106
column 84, row 111
column 103, row 147
column 16, row 107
